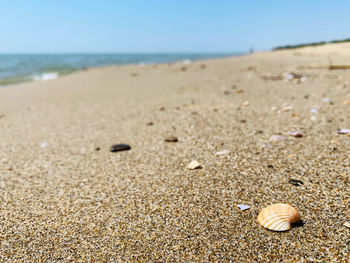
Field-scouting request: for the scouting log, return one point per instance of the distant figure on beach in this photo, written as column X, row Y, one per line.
column 251, row 50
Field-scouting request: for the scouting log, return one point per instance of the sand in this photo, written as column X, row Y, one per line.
column 63, row 200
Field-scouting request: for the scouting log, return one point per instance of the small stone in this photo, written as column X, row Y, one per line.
column 149, row 123
column 224, row 152
column 44, row 145
column 295, row 114
column 314, row 111
column 287, row 108
column 296, row 134
column 273, row 108
column 243, row 121
column 270, row 166
column 347, row 224
column 226, row 92
column 162, row 108
column 97, row 148
column 295, row 182
column 246, row 103
column 326, row 100
column 194, row 165
column 243, row 207
column 277, row 138
column 306, row 97
column 239, row 91
column 119, row 147
column 346, row 102
column 171, row 139
column 343, row 131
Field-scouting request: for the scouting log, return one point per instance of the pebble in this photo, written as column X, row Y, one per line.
column 277, row 138
column 296, row 182
column 97, row 148
column 343, row 131
column 314, row 111
column 194, row 165
column 326, row 100
column 347, row 224
column 224, row 152
column 246, row 103
column 287, row 108
column 149, row 123
column 243, row 207
column 226, row 92
column 296, row 134
column 119, row 147
column 44, row 144
column 171, row 139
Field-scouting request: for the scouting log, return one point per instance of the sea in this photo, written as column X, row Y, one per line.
column 16, row 68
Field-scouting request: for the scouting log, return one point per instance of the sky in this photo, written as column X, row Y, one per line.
column 123, row 26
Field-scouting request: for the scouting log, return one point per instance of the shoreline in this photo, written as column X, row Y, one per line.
column 52, row 74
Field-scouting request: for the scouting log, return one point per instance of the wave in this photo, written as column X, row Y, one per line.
column 45, row 76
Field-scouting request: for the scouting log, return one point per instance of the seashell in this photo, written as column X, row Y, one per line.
column 278, row 217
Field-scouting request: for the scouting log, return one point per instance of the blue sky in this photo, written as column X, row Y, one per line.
column 51, row 26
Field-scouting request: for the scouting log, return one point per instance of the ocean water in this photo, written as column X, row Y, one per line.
column 42, row 67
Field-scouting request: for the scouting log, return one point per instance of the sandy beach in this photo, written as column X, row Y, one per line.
column 65, row 197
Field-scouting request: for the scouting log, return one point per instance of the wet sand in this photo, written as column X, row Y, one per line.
column 66, row 198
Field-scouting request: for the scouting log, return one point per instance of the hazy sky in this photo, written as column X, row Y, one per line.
column 167, row 26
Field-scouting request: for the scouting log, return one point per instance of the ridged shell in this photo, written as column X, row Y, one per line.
column 278, row 217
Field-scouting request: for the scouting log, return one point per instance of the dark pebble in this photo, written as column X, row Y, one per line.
column 149, row 123
column 243, row 121
column 295, row 182
column 269, row 166
column 119, row 147
column 226, row 92
column 171, row 139
column 97, row 148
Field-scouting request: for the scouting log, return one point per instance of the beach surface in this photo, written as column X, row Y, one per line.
column 66, row 198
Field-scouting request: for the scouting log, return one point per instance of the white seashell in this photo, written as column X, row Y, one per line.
column 243, row 207
column 343, row 131
column 194, row 165
column 224, row 152
column 278, row 217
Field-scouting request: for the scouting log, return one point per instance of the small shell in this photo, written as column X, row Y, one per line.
column 278, row 217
